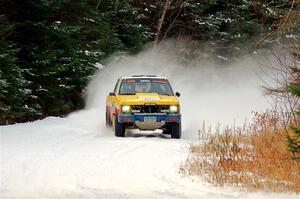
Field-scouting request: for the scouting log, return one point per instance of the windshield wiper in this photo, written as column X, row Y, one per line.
column 165, row 94
column 127, row 94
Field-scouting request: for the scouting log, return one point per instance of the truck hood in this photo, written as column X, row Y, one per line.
column 147, row 98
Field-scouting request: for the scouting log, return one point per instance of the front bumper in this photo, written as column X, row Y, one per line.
column 159, row 118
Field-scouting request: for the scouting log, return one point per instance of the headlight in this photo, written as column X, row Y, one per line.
column 173, row 109
column 126, row 109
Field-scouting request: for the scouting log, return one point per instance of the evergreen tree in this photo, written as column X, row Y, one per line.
column 59, row 44
column 14, row 95
column 123, row 18
column 51, row 48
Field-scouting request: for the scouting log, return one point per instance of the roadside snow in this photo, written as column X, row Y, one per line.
column 77, row 157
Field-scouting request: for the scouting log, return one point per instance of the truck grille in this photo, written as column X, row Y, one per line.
column 150, row 108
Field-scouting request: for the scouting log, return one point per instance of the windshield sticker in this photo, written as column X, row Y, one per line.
column 130, row 81
column 159, row 81
column 145, row 80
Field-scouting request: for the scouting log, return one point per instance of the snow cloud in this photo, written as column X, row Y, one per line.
column 215, row 93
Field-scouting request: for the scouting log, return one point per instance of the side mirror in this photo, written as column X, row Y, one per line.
column 177, row 94
column 112, row 94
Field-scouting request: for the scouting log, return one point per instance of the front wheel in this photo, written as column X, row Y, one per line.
column 107, row 119
column 119, row 128
column 174, row 128
column 168, row 129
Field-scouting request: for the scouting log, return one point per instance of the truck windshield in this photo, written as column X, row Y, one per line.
column 133, row 86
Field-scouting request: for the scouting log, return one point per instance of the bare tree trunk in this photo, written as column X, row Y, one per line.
column 279, row 29
column 98, row 4
column 161, row 20
column 174, row 19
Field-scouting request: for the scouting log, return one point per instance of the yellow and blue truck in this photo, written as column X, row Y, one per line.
column 144, row 102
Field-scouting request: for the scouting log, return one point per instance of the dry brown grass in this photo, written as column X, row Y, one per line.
column 256, row 158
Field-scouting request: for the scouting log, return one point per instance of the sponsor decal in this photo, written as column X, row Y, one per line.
column 129, row 81
column 149, row 99
column 160, row 81
column 144, row 81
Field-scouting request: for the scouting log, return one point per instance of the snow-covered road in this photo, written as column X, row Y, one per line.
column 71, row 158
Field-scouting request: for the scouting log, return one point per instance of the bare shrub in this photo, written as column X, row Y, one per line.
column 279, row 76
column 255, row 158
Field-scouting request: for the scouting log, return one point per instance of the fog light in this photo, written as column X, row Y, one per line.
column 173, row 109
column 126, row 109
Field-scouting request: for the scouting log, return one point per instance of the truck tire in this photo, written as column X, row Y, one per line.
column 107, row 120
column 174, row 128
column 119, row 128
column 168, row 129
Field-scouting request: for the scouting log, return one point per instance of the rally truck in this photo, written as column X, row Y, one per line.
column 144, row 102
